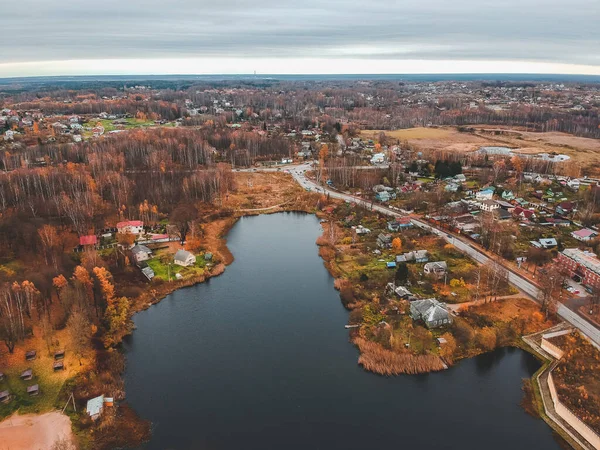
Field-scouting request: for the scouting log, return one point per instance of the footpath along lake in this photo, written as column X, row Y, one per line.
column 258, row 358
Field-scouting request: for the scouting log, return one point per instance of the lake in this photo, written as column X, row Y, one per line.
column 258, row 358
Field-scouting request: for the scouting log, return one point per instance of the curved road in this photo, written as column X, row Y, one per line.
column 522, row 283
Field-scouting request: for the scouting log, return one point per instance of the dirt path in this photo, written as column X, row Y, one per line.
column 34, row 432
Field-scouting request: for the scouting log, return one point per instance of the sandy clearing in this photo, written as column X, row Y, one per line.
column 34, row 432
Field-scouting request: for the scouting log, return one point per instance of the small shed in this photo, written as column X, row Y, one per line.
column 58, row 365
column 94, row 407
column 391, row 264
column 208, row 256
column 27, row 375
column 30, row 355
column 33, row 389
column 4, row 397
column 60, row 354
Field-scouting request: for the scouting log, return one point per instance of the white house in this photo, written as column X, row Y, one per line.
column 184, row 258
column 131, row 226
column 141, row 253
column 378, row 158
column 574, row 184
column 488, row 205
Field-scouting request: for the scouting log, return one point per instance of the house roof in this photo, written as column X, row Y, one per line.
column 130, row 223
column 182, row 255
column 94, row 405
column 586, row 259
column 584, row 232
column 88, row 240
column 525, row 212
column 548, row 242
column 430, row 309
column 436, row 265
column 148, row 272
column 140, row 249
column 567, row 206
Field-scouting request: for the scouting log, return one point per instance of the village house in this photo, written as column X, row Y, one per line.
column 378, row 158
column 382, row 196
column 384, row 240
column 546, row 243
column 502, row 214
column 184, row 258
column 584, row 235
column 360, row 230
column 436, row 268
column 140, row 253
column 431, row 311
column 485, row 194
column 400, row 291
column 583, row 266
column 95, row 406
column 574, row 184
column 488, row 205
column 131, row 227
column 399, row 223
column 523, row 214
column 565, row 208
column 508, row 196
column 417, row 256
column 89, row 240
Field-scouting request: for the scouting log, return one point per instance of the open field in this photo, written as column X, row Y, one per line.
column 584, row 152
column 256, row 190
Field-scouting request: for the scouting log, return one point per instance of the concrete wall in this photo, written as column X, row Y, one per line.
column 571, row 418
column 551, row 349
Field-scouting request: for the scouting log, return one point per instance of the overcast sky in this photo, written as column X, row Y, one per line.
column 44, row 37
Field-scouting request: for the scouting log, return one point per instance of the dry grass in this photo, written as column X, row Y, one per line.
column 503, row 311
column 411, row 133
column 374, row 358
column 584, row 152
column 256, row 190
column 577, row 379
column 214, row 239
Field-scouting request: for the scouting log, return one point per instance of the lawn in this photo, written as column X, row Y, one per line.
column 160, row 265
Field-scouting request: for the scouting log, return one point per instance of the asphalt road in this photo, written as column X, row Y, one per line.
column 585, row 327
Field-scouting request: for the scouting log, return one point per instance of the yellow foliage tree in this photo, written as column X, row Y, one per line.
column 397, row 244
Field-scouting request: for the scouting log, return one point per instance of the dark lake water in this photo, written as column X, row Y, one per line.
column 258, row 358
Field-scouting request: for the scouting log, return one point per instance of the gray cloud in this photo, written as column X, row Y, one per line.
column 531, row 30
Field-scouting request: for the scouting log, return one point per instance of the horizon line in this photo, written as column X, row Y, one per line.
column 304, row 75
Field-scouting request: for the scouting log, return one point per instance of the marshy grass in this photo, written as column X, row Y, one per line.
column 374, row 358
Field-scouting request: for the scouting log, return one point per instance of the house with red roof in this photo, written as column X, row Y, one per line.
column 89, row 240
column 584, row 235
column 523, row 213
column 130, row 226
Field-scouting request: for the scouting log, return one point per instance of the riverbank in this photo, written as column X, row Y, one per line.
column 389, row 340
